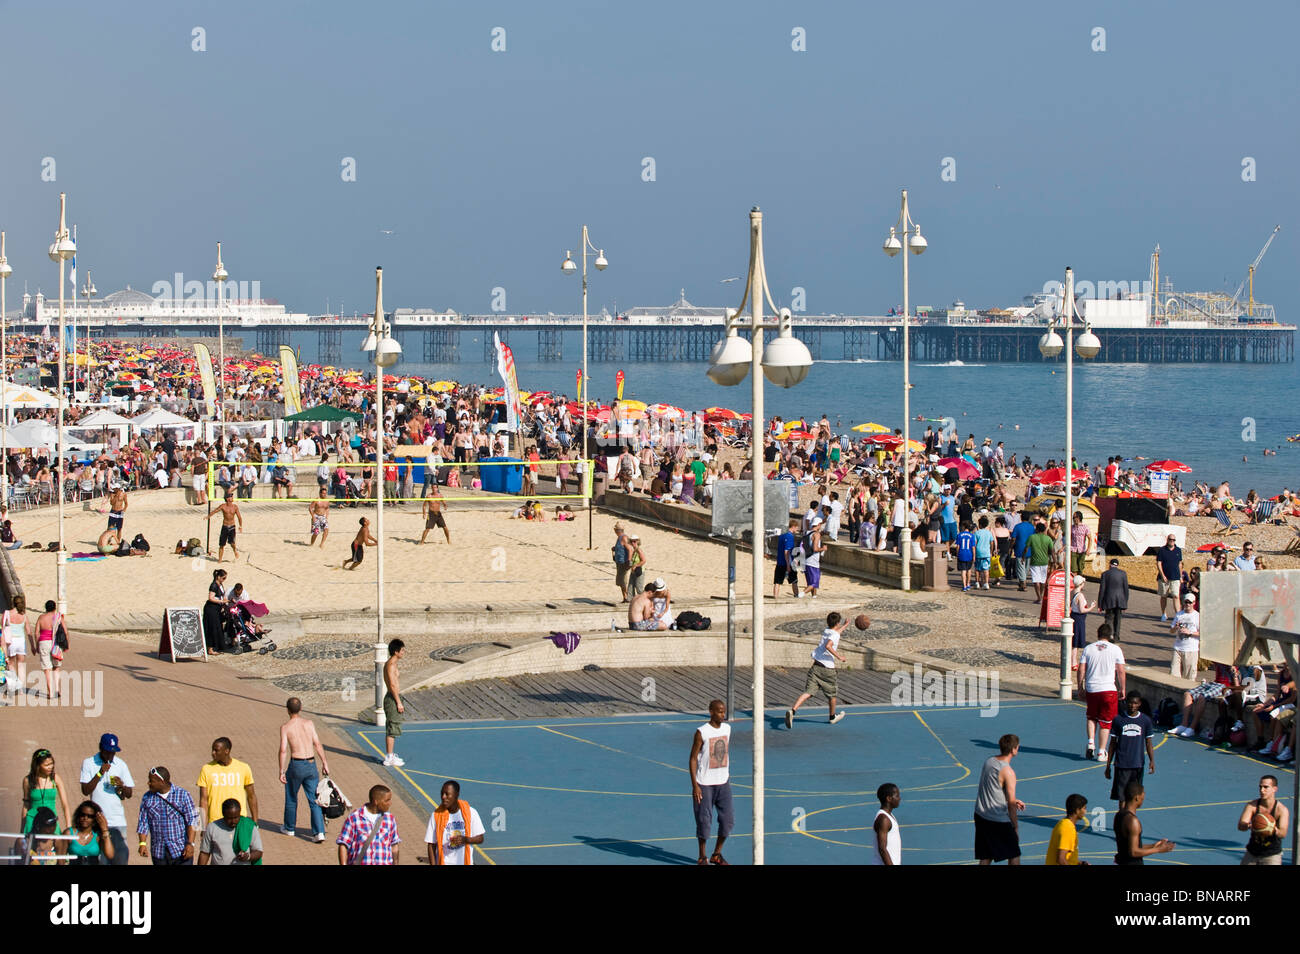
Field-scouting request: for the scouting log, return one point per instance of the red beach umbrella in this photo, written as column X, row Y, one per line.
column 965, row 469
column 1056, row 475
column 1169, row 467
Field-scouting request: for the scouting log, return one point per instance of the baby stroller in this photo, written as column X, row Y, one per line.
column 242, row 631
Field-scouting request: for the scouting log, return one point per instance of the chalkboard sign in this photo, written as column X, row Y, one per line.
column 182, row 634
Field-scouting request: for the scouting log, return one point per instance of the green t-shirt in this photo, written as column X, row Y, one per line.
column 1040, row 549
column 697, row 468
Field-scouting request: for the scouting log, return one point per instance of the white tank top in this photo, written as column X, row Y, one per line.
column 15, row 632
column 893, row 841
column 713, row 767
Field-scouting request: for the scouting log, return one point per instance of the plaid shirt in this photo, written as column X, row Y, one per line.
column 167, row 821
column 353, row 836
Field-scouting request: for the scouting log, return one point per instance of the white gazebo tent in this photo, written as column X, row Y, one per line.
column 40, row 434
column 159, row 417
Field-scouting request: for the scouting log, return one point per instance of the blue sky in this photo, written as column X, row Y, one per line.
column 485, row 164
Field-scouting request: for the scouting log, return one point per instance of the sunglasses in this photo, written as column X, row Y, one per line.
column 44, row 754
column 90, row 815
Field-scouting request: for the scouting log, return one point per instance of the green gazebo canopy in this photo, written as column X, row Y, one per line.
column 325, row 412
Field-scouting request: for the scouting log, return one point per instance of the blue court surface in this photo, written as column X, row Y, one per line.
column 615, row 790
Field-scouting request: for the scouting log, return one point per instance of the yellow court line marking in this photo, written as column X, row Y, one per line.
column 956, row 761
column 416, row 786
column 553, row 788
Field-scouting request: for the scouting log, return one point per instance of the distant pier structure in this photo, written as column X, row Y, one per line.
column 1189, row 333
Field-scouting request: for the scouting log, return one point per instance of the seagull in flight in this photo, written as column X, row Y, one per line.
column 387, row 231
column 725, row 280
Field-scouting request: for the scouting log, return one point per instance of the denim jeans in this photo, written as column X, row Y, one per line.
column 302, row 774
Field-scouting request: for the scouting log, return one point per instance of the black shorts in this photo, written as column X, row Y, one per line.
column 997, row 841
column 115, row 523
column 1120, row 777
column 227, row 537
column 434, row 520
column 784, row 574
column 358, row 551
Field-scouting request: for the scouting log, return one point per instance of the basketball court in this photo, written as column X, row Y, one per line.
column 614, row 790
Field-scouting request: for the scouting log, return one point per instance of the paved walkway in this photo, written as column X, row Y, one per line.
column 168, row 714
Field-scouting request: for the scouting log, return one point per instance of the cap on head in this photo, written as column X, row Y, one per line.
column 1114, row 562
column 1189, row 598
column 659, row 584
column 1078, row 580
column 108, row 743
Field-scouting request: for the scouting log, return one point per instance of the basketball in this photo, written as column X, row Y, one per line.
column 863, row 621
column 1262, row 821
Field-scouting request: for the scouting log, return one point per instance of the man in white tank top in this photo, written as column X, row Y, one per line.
column 888, row 849
column 710, row 770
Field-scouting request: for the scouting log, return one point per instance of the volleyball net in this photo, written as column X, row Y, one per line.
column 405, row 480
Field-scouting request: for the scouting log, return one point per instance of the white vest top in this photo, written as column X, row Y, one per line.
column 713, row 766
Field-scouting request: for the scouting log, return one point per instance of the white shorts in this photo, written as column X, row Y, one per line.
column 199, row 482
column 1038, row 574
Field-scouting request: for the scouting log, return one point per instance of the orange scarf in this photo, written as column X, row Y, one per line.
column 440, row 818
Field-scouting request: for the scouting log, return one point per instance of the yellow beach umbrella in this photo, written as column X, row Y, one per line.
column 631, row 405
column 442, row 387
column 871, row 428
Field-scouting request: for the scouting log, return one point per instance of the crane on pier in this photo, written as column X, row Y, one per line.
column 1250, row 275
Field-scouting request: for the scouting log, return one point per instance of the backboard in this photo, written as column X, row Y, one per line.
column 1224, row 595
column 733, row 508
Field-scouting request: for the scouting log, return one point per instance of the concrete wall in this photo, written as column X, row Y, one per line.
column 845, row 559
column 10, row 585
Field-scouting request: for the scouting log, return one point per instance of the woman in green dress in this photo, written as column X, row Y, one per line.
column 42, row 788
column 91, row 844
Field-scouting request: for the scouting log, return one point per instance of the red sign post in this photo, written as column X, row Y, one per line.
column 1053, row 608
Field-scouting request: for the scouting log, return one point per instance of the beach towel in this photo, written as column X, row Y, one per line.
column 85, row 557
column 566, row 641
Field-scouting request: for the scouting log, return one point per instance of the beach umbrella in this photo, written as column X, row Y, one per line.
column 871, row 428
column 1056, row 475
column 965, row 469
column 1211, row 547
column 1169, row 467
column 720, row 414
column 796, row 436
column 442, row 387
column 631, row 405
column 886, row 440
column 665, row 410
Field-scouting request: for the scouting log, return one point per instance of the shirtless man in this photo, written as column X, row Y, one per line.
column 362, row 540
column 117, row 504
column 433, row 504
column 642, row 615
column 299, row 746
column 229, row 515
column 319, row 510
column 393, row 708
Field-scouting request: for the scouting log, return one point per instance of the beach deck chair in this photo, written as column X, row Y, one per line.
column 1264, row 511
column 1294, row 546
column 1228, row 526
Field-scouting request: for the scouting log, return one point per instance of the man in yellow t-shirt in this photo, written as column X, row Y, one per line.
column 1063, row 848
column 222, row 778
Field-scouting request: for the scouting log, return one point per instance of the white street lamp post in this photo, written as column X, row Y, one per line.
column 62, row 250
column 916, row 244
column 386, row 353
column 219, row 275
column 5, row 272
column 1088, row 346
column 568, row 267
column 785, row 363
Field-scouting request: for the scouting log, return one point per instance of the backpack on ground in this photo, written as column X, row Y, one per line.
column 140, row 543
column 1222, row 727
column 691, row 620
column 1167, row 713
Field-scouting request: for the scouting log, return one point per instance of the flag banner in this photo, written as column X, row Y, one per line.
column 579, row 384
column 506, row 368
column 204, row 358
column 618, row 380
column 289, row 371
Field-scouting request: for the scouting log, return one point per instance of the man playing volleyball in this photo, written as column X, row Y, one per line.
column 362, row 540
column 319, row 511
